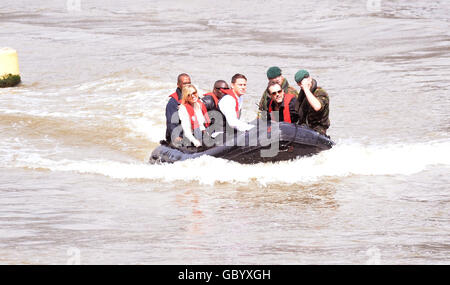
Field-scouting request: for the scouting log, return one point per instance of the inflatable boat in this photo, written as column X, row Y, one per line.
column 264, row 143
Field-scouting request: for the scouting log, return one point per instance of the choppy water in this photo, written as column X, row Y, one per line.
column 75, row 136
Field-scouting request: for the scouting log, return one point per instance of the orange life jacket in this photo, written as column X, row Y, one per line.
column 216, row 100
column 193, row 116
column 175, row 96
column 231, row 93
column 286, row 112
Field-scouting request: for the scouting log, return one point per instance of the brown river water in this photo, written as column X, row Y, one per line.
column 76, row 135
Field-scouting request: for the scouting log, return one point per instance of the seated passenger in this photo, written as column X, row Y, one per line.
column 282, row 103
column 172, row 119
column 211, row 100
column 231, row 103
column 274, row 75
column 193, row 115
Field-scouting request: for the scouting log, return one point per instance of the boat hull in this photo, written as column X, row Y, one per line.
column 278, row 142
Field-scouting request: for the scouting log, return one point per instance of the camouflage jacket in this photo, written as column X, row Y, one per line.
column 316, row 120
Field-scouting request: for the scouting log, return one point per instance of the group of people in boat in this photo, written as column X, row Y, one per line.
column 189, row 116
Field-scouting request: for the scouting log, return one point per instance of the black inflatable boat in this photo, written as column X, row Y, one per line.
column 277, row 142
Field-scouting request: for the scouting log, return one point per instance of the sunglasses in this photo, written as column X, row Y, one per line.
column 218, row 88
column 275, row 92
column 193, row 94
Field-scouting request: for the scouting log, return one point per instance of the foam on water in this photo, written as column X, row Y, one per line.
column 113, row 83
column 146, row 127
column 343, row 160
column 138, row 104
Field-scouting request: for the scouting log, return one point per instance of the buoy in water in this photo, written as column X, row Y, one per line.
column 9, row 67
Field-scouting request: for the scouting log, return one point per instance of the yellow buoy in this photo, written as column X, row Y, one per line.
column 9, row 67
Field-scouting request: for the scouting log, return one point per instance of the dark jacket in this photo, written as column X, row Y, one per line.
column 292, row 110
column 172, row 110
column 209, row 101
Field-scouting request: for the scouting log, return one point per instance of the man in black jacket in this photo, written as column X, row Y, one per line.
column 172, row 119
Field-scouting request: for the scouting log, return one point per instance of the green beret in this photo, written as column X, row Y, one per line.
column 300, row 75
column 273, row 72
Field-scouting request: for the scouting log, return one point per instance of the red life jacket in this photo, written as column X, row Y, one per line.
column 231, row 93
column 216, row 100
column 193, row 117
column 286, row 112
column 175, row 96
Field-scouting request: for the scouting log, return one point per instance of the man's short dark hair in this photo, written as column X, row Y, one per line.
column 270, row 84
column 182, row 75
column 219, row 81
column 237, row 76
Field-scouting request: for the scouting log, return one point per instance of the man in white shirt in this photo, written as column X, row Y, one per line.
column 231, row 103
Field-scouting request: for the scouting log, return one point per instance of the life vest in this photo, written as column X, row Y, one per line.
column 231, row 93
column 286, row 112
column 216, row 100
column 194, row 120
column 175, row 96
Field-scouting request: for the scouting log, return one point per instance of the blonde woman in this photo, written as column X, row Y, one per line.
column 193, row 115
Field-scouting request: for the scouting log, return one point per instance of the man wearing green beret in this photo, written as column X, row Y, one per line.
column 274, row 75
column 312, row 104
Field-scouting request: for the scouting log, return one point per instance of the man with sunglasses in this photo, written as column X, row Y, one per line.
column 274, row 75
column 281, row 102
column 211, row 99
column 312, row 104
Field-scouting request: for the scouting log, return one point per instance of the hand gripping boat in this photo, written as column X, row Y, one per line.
column 277, row 142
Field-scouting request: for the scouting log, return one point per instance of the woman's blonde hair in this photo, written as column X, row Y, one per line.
column 187, row 90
